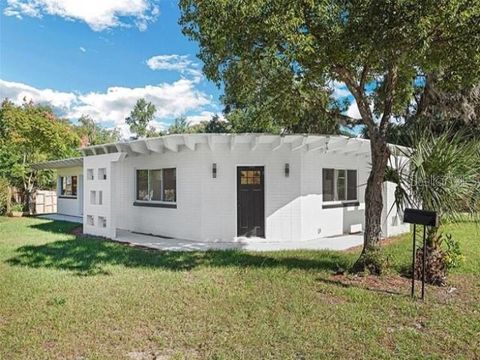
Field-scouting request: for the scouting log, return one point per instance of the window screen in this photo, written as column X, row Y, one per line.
column 328, row 185
column 339, row 185
column 352, row 185
column 169, row 185
column 142, row 185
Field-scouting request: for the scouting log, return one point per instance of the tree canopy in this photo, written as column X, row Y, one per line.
column 91, row 133
column 28, row 134
column 140, row 116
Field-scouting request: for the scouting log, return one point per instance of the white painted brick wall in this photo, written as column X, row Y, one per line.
column 69, row 206
column 207, row 207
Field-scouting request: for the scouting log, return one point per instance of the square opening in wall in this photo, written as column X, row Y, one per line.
column 93, row 197
column 102, row 174
column 100, row 197
column 90, row 220
column 89, row 174
column 102, row 221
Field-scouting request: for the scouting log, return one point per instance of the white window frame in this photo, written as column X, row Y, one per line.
column 335, row 179
column 161, row 189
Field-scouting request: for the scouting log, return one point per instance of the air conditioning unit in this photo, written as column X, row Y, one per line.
column 356, row 228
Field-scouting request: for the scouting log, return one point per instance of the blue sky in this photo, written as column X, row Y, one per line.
column 97, row 57
column 70, row 57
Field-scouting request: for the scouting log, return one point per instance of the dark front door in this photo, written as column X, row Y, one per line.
column 250, row 201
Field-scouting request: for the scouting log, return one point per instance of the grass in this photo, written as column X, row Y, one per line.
column 81, row 298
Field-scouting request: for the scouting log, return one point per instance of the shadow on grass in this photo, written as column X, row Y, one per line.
column 89, row 256
column 56, row 227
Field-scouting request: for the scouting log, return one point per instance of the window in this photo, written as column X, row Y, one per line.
column 68, row 186
column 328, row 185
column 102, row 174
column 339, row 185
column 93, row 197
column 159, row 185
column 102, row 221
column 89, row 174
column 100, row 197
column 250, row 177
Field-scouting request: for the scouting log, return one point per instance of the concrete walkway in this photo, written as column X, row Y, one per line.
column 342, row 242
column 62, row 217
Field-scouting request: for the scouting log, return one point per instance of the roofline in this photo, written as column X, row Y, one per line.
column 58, row 164
column 179, row 142
column 196, row 138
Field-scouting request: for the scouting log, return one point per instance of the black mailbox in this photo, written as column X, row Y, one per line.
column 420, row 217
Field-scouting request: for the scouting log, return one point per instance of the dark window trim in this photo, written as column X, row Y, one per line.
column 152, row 204
column 341, row 205
column 67, row 197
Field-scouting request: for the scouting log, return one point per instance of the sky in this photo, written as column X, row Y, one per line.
column 97, row 57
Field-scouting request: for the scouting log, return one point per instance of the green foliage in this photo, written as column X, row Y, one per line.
column 442, row 175
column 453, row 253
column 28, row 134
column 179, row 126
column 214, row 125
column 16, row 207
column 142, row 113
column 91, row 133
column 4, row 193
column 283, row 60
column 217, row 126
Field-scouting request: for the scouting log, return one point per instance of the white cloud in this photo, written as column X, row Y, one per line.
column 174, row 62
column 170, row 99
column 18, row 92
column 82, row 49
column 98, row 14
column 169, row 62
column 353, row 111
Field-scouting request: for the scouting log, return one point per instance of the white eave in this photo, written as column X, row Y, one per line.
column 57, row 164
column 188, row 142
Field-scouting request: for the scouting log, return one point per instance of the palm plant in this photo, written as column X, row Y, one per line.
column 442, row 174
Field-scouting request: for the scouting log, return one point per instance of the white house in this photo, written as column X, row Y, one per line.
column 222, row 187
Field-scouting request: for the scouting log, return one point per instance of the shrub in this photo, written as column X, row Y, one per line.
column 16, row 207
column 453, row 254
column 4, row 185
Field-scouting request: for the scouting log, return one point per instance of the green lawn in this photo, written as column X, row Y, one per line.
column 79, row 298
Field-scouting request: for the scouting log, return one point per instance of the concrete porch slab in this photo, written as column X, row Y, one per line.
column 342, row 242
column 62, row 217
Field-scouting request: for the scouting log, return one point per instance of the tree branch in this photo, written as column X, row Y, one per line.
column 359, row 95
column 391, row 83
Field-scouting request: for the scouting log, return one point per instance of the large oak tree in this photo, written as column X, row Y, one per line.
column 380, row 49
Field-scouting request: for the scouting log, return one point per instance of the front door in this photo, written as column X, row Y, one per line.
column 250, row 201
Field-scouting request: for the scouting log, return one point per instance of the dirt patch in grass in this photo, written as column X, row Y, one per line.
column 162, row 355
column 401, row 286
column 385, row 242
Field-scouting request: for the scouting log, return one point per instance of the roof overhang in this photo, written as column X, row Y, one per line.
column 58, row 164
column 189, row 142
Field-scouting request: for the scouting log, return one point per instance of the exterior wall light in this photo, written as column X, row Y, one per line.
column 214, row 170
column 287, row 170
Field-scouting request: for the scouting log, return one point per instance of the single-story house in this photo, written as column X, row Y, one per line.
column 223, row 187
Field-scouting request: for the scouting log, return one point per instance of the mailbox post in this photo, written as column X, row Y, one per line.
column 425, row 218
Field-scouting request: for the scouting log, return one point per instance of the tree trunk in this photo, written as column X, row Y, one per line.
column 373, row 208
